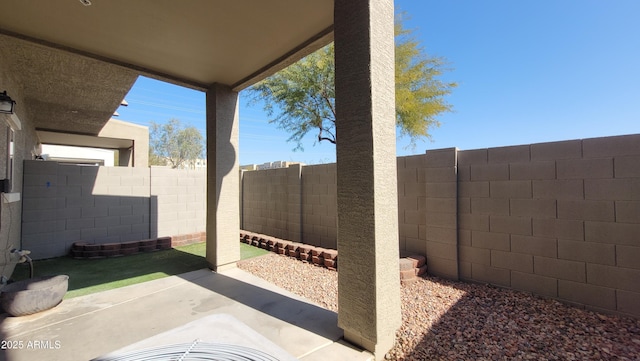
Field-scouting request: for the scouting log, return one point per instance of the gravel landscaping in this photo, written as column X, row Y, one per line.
column 447, row 320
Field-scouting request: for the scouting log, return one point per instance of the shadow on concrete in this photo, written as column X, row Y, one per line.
column 312, row 318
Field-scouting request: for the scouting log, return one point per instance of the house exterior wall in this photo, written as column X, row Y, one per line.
column 24, row 141
column 139, row 155
column 558, row 219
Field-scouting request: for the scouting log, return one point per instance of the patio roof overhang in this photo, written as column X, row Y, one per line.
column 193, row 43
column 70, row 66
column 81, row 140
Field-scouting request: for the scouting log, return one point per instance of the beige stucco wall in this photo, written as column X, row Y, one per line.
column 139, row 155
column 25, row 140
column 223, row 178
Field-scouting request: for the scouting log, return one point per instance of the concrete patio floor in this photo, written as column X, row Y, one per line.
column 232, row 307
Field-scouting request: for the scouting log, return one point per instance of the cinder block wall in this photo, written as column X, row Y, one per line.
column 64, row 203
column 295, row 203
column 558, row 219
column 177, row 201
column 412, row 203
column 265, row 201
column 320, row 205
column 427, row 209
column 441, row 204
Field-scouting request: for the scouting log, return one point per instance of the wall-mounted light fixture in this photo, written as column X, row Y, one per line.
column 6, row 103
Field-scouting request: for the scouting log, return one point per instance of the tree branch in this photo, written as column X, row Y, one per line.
column 320, row 139
column 326, row 98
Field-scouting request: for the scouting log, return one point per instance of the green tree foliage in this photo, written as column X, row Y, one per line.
column 174, row 144
column 301, row 98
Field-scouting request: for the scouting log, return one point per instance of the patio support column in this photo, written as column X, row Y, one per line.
column 368, row 272
column 223, row 177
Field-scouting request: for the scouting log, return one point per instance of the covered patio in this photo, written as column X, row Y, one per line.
column 69, row 64
column 232, row 307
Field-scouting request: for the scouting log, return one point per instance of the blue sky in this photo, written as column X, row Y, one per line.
column 528, row 72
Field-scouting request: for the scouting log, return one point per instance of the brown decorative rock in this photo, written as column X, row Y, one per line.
column 421, row 270
column 280, row 247
column 417, row 260
column 128, row 251
column 78, row 246
column 330, row 254
column 148, row 242
column 77, row 254
column 164, row 243
column 330, row 263
column 407, row 274
column 409, row 281
column 317, row 260
column 305, row 253
column 130, row 245
column 92, row 247
column 110, row 246
column 108, row 253
column 292, row 250
column 406, row 264
column 263, row 242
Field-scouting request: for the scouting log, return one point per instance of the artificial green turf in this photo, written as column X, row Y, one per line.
column 89, row 276
column 247, row 251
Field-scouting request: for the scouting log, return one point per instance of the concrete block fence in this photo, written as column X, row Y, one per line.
column 559, row 219
column 64, row 204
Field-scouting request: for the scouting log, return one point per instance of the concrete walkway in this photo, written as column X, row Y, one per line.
column 232, row 307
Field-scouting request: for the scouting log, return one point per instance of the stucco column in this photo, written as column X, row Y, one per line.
column 368, row 272
column 223, row 177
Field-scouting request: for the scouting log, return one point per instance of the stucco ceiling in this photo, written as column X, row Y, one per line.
column 61, row 91
column 76, row 62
